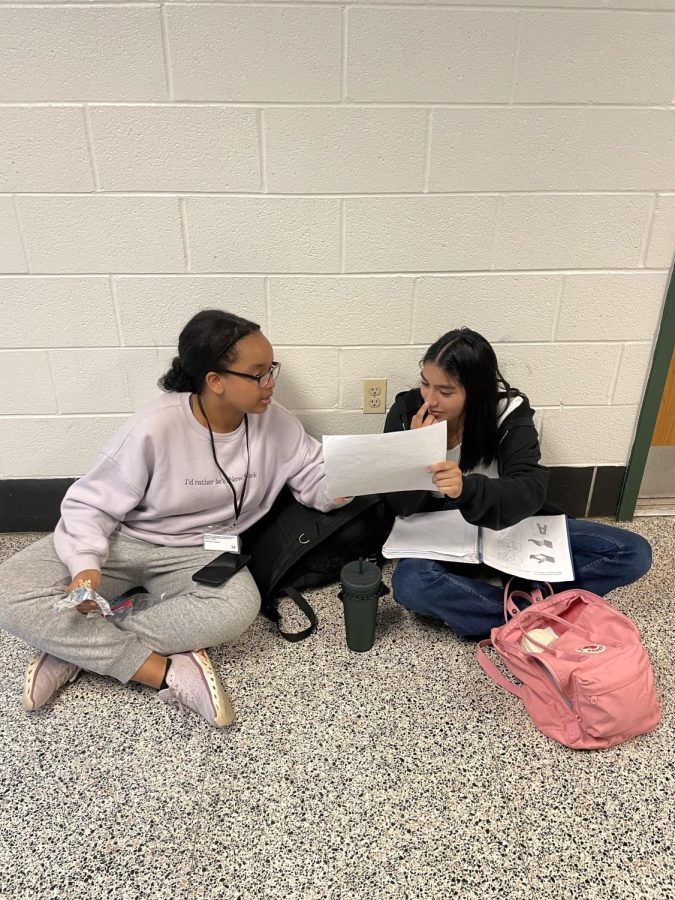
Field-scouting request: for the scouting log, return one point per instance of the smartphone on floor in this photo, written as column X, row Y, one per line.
column 221, row 568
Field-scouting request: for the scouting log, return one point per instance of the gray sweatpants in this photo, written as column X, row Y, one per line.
column 178, row 614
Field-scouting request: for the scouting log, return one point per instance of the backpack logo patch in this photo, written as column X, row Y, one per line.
column 591, row 648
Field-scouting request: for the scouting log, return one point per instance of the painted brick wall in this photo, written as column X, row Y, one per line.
column 357, row 178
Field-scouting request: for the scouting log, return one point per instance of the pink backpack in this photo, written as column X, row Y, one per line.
column 585, row 677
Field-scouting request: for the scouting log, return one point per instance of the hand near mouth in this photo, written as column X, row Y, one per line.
column 422, row 417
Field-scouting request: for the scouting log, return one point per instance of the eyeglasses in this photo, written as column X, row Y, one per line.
column 264, row 380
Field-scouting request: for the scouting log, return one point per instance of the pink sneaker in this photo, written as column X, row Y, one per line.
column 192, row 684
column 44, row 676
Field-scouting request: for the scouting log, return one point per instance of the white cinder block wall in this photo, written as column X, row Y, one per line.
column 358, row 178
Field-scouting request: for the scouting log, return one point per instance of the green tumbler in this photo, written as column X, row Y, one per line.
column 361, row 581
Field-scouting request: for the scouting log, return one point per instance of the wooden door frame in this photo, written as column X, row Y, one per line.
column 651, row 401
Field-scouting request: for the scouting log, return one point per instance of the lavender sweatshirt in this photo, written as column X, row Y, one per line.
column 156, row 480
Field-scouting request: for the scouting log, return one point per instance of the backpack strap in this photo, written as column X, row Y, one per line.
column 302, row 604
column 538, row 596
column 493, row 672
column 510, row 607
column 535, row 596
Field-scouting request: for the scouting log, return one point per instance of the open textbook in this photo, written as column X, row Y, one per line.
column 537, row 548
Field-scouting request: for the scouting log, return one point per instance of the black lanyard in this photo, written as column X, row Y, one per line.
column 238, row 504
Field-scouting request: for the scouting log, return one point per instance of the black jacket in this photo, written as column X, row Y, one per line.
column 518, row 492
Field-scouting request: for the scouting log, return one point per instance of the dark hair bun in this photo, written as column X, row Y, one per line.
column 206, row 344
column 176, row 379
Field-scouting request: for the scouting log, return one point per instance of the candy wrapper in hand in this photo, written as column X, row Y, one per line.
column 79, row 595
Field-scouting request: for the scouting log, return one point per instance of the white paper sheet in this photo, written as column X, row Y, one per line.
column 379, row 463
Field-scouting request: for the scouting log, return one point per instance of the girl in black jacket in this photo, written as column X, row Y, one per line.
column 492, row 474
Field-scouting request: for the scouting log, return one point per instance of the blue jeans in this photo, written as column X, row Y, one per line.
column 604, row 558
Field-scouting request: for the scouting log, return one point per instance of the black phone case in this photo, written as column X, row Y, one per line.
column 201, row 576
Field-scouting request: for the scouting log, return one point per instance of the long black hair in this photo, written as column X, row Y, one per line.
column 206, row 344
column 466, row 356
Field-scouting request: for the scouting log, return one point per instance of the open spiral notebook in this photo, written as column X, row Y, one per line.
column 537, row 548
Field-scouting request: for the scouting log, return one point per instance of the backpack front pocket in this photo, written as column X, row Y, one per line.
column 611, row 708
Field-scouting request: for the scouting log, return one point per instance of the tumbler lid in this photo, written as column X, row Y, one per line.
column 360, row 575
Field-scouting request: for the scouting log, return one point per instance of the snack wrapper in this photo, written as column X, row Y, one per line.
column 79, row 595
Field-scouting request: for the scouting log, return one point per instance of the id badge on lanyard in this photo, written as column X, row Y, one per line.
column 226, row 543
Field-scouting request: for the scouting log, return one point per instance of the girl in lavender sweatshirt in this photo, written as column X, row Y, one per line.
column 206, row 458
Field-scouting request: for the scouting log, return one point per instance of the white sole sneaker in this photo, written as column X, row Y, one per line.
column 193, row 684
column 57, row 672
column 224, row 711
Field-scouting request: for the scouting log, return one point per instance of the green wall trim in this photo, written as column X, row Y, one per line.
column 650, row 406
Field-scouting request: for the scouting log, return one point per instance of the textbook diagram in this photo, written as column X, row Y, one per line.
column 537, row 548
column 508, row 550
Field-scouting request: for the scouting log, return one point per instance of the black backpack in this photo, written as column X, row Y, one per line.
column 294, row 547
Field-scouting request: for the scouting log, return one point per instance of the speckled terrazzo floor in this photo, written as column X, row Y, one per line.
column 398, row 773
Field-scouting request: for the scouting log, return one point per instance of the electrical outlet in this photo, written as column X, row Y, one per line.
column 374, row 395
